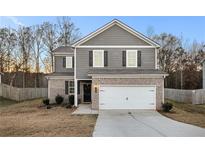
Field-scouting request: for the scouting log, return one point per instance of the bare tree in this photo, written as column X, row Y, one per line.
column 3, row 42
column 50, row 40
column 168, row 53
column 68, row 33
column 37, row 45
column 11, row 44
column 37, row 49
column 24, row 43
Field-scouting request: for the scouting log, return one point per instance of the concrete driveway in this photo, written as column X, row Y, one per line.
column 141, row 123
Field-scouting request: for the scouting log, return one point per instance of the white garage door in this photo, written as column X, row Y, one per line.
column 127, row 97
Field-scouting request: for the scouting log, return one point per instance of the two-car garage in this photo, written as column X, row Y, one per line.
column 126, row 92
column 127, row 97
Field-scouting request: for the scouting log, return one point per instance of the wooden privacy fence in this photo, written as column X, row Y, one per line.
column 186, row 96
column 20, row 94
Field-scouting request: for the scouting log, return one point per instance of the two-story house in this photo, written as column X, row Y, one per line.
column 114, row 67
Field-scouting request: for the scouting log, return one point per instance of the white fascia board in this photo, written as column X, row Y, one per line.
column 62, row 53
column 59, row 77
column 114, row 46
column 127, row 75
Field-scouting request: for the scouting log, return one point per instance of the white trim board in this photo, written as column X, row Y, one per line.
column 127, row 85
column 62, row 53
column 83, row 79
column 114, row 46
column 75, row 82
column 127, row 76
column 120, row 24
column 59, row 77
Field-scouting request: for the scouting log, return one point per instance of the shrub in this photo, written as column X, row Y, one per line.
column 46, row 101
column 71, row 99
column 59, row 99
column 48, row 107
column 167, row 106
column 68, row 106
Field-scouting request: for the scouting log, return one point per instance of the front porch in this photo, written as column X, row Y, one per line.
column 85, row 109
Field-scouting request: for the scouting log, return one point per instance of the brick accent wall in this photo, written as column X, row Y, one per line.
column 55, row 87
column 159, row 82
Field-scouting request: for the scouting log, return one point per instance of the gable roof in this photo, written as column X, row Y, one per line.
column 123, row 26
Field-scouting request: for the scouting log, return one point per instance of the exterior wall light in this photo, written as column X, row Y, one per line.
column 96, row 88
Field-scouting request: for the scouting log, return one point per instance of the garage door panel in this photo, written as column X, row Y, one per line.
column 127, row 97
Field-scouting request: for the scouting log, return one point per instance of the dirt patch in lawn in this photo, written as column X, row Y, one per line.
column 187, row 113
column 28, row 119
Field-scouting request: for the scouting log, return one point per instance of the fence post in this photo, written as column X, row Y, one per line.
column 193, row 96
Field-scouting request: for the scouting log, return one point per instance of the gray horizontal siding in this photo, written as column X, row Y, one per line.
column 114, row 60
column 115, row 35
column 59, row 64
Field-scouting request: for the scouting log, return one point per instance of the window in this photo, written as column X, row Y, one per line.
column 98, row 58
column 131, row 58
column 66, row 87
column 71, row 87
column 69, row 62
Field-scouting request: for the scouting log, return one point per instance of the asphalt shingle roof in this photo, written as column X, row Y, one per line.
column 61, row 74
column 64, row 49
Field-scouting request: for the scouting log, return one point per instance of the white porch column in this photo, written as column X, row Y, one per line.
column 76, row 92
column 75, row 81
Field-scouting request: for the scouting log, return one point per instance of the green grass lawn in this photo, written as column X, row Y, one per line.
column 187, row 113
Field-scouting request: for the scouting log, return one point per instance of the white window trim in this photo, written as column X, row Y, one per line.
column 94, row 58
column 127, row 58
column 69, row 87
column 71, row 62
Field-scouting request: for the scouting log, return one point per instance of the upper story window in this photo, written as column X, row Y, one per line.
column 69, row 62
column 131, row 58
column 98, row 58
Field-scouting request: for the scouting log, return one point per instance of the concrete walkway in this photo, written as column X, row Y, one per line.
column 85, row 109
column 142, row 123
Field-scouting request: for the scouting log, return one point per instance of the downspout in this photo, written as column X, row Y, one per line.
column 75, row 81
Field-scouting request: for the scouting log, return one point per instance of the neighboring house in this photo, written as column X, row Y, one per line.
column 114, row 67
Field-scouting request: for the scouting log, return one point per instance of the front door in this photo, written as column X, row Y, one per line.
column 87, row 93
